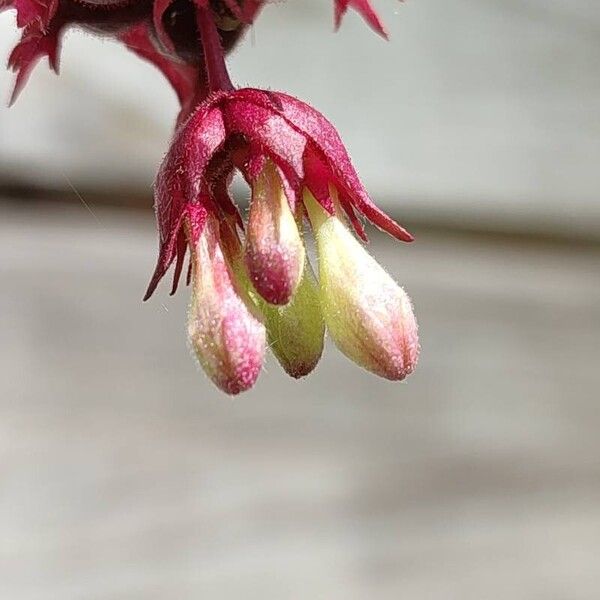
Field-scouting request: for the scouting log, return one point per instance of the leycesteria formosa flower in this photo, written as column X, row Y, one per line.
column 298, row 169
column 252, row 284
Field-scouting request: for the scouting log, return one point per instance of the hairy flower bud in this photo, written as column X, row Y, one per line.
column 284, row 149
column 369, row 317
column 227, row 337
column 296, row 331
column 274, row 252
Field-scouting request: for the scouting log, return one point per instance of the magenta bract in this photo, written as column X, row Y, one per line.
column 137, row 23
column 143, row 25
column 365, row 9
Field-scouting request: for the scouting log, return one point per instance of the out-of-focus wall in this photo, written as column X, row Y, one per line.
column 475, row 110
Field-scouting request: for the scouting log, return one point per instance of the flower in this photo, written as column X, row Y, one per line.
column 294, row 161
column 296, row 331
column 252, row 282
column 365, row 9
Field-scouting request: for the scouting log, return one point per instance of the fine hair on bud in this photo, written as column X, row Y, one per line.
column 226, row 335
column 368, row 315
column 274, row 251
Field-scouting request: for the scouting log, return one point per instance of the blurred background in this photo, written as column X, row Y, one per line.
column 124, row 474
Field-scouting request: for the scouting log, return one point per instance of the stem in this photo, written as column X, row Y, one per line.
column 218, row 77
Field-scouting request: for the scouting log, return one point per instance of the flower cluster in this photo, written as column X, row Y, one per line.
column 252, row 284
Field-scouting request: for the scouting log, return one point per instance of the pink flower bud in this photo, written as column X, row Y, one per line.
column 369, row 317
column 274, row 252
column 228, row 339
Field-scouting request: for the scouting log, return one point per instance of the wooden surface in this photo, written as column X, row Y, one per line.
column 124, row 475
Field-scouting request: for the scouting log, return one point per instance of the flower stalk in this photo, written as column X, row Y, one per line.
column 214, row 57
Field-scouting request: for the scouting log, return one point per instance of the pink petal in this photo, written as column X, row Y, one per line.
column 354, row 220
column 318, row 178
column 274, row 251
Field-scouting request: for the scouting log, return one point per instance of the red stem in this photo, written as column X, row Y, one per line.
column 214, row 57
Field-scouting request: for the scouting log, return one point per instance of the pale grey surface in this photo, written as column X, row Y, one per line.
column 125, row 475
column 476, row 109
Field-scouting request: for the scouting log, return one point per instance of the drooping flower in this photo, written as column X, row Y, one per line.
column 251, row 283
column 287, row 150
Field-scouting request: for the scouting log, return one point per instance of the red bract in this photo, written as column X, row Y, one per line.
column 30, row 12
column 162, row 31
column 244, row 128
column 364, row 8
column 44, row 22
column 38, row 40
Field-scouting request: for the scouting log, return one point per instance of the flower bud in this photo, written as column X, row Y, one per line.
column 296, row 331
column 369, row 317
column 274, row 252
column 228, row 339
